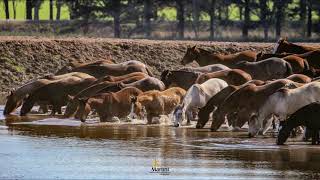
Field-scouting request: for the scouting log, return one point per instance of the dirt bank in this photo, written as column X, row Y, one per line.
column 26, row 58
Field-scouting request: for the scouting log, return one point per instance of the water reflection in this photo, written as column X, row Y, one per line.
column 40, row 147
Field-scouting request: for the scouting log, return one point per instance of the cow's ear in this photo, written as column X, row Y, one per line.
column 133, row 99
column 194, row 47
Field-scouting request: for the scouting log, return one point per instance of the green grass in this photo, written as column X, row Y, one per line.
column 167, row 13
column 43, row 12
column 170, row 13
column 11, row 63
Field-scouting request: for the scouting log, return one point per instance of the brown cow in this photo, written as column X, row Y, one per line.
column 204, row 57
column 245, row 101
column 179, row 78
column 312, row 57
column 284, row 46
column 100, row 87
column 299, row 78
column 158, row 103
column 146, row 84
column 137, row 75
column 14, row 99
column 71, row 65
column 56, row 93
column 108, row 105
column 216, row 100
column 298, row 64
column 120, row 69
column 232, row 76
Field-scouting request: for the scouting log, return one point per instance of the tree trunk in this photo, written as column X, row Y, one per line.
column 29, row 10
column 74, row 7
column 14, row 7
column 58, row 4
column 264, row 15
column 279, row 16
column 227, row 12
column 180, row 18
column 245, row 29
column 309, row 30
column 195, row 16
column 240, row 13
column 219, row 12
column 6, row 7
column 147, row 17
column 36, row 10
column 51, row 10
column 116, row 18
column 303, row 15
column 212, row 18
column 155, row 13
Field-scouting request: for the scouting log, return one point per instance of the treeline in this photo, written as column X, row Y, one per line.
column 271, row 13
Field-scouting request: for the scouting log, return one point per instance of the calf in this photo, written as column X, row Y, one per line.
column 306, row 116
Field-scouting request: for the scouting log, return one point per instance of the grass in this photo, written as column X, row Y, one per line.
column 11, row 63
column 43, row 12
column 166, row 13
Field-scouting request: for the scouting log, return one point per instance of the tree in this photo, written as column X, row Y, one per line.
column 51, row 10
column 303, row 14
column 147, row 11
column 279, row 5
column 135, row 12
column 37, row 4
column 309, row 29
column 6, row 6
column 180, row 17
column 212, row 18
column 28, row 9
column 264, row 11
column 58, row 5
column 245, row 27
column 74, row 8
column 14, row 6
column 195, row 17
column 116, row 6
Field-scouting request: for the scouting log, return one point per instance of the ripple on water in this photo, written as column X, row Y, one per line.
column 67, row 148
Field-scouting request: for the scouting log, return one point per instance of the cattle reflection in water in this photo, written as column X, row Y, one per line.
column 184, row 150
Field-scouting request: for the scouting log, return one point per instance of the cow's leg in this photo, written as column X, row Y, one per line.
column 54, row 110
column 314, row 136
column 149, row 118
column 43, row 108
column 274, row 127
column 189, row 117
column 317, row 136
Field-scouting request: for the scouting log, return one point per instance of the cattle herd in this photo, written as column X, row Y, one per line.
column 260, row 89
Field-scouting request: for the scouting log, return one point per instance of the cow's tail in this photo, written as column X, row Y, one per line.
column 289, row 69
column 149, row 71
column 306, row 65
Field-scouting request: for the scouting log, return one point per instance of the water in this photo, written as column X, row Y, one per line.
column 54, row 148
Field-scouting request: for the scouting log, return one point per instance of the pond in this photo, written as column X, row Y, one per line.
column 41, row 147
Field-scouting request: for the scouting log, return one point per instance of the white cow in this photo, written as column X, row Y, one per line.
column 197, row 97
column 282, row 104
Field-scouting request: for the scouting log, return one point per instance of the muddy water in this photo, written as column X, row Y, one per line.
column 41, row 147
